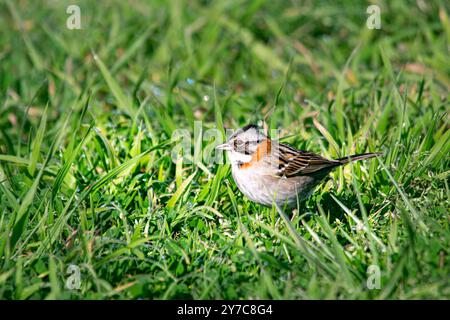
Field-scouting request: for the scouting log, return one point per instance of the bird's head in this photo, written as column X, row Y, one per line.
column 244, row 145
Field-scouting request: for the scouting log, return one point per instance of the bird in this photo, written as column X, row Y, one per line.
column 273, row 173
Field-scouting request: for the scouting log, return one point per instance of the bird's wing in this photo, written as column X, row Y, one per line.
column 291, row 162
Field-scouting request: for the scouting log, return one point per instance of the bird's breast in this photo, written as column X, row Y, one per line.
column 264, row 187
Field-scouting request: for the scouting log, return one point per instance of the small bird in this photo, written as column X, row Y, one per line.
column 270, row 172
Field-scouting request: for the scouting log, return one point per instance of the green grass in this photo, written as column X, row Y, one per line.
column 87, row 179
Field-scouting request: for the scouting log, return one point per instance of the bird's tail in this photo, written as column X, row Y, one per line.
column 357, row 157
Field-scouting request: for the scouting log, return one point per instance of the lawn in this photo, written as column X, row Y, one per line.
column 95, row 205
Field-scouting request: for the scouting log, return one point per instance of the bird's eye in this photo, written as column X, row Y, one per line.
column 238, row 143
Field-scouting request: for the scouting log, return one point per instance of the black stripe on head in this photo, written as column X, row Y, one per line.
column 244, row 129
column 250, row 126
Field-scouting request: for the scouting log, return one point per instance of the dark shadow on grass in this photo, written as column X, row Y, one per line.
column 332, row 208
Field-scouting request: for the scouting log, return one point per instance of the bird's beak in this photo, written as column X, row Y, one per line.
column 224, row 146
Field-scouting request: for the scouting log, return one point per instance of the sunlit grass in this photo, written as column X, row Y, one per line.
column 87, row 177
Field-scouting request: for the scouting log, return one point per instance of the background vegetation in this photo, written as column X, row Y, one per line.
column 86, row 176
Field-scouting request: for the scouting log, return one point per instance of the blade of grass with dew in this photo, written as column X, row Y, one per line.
column 37, row 142
column 411, row 208
column 302, row 246
column 123, row 102
column 337, row 248
column 14, row 159
column 176, row 196
column 68, row 163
